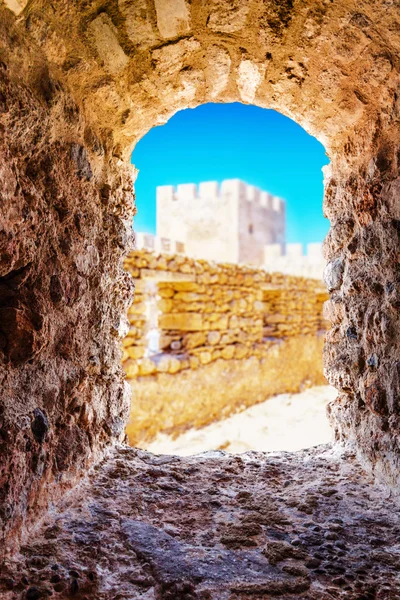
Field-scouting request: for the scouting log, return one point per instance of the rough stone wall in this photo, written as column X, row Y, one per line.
column 230, row 336
column 62, row 287
column 127, row 67
column 230, row 222
column 362, row 349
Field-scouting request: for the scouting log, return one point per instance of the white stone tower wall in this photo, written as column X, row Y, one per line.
column 204, row 219
column 261, row 222
column 230, row 223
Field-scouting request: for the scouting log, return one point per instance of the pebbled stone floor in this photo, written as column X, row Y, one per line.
column 304, row 525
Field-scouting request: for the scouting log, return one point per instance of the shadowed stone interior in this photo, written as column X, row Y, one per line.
column 80, row 84
column 307, row 525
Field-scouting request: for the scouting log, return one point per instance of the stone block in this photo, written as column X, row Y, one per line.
column 221, row 323
column 228, row 352
column 182, row 321
column 180, row 260
column 17, row 6
column 147, row 367
column 172, row 58
column 250, row 76
column 165, row 305
column 228, row 338
column 193, row 340
column 166, row 292
column 165, row 341
column 187, row 286
column 131, row 369
column 194, row 362
column 173, row 266
column 197, row 307
column 105, row 36
column 233, row 322
column 188, row 296
column 333, row 312
column 205, row 357
column 219, row 66
column 258, row 306
column 163, row 364
column 213, row 338
column 333, row 274
column 137, row 308
column 135, row 352
column 173, row 18
column 228, row 16
column 241, row 351
column 175, row 365
column 137, row 22
column 161, row 263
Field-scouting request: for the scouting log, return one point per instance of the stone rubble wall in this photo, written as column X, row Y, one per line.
column 215, row 317
column 65, row 225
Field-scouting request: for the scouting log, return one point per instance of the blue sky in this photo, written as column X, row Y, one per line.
column 229, row 141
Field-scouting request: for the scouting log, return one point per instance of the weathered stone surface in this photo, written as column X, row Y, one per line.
column 303, row 526
column 17, row 6
column 172, row 58
column 250, row 76
column 107, row 45
column 173, row 17
column 219, row 66
column 213, row 337
column 228, row 16
column 138, row 22
column 182, row 321
column 59, row 243
column 333, row 274
column 331, row 66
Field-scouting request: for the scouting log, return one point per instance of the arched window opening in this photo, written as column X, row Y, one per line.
column 225, row 343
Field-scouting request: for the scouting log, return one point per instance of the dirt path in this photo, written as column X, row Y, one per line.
column 286, row 422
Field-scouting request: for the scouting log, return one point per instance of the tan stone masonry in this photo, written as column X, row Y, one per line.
column 80, row 84
column 230, row 336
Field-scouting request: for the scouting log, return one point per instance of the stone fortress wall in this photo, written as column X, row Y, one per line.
column 148, row 241
column 207, row 340
column 290, row 260
column 231, row 222
column 278, row 258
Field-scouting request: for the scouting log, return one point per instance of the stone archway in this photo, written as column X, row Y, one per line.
column 81, row 84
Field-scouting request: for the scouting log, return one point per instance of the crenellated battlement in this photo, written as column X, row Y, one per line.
column 229, row 221
column 148, row 241
column 313, row 251
column 292, row 260
column 214, row 191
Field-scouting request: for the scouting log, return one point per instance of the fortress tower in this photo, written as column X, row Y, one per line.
column 228, row 223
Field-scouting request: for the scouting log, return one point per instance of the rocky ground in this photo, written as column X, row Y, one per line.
column 286, row 422
column 306, row 525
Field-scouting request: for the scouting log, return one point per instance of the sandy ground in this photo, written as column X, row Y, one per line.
column 286, row 422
